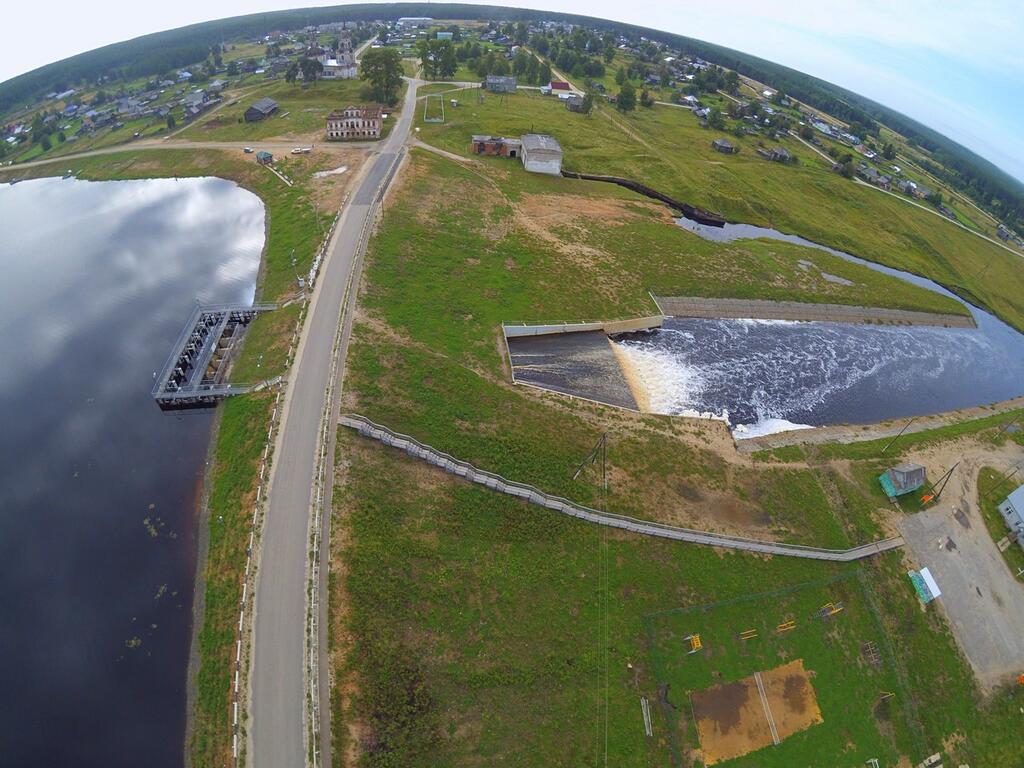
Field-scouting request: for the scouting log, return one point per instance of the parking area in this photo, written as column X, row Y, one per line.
column 982, row 599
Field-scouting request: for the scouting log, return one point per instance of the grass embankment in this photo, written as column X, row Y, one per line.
column 471, row 620
column 301, row 114
column 666, row 149
column 243, row 420
column 993, row 488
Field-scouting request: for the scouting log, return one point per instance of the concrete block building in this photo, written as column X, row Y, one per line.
column 542, row 154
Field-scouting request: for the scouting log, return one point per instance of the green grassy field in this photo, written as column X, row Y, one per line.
column 471, row 620
column 301, row 112
column 857, row 724
column 666, row 149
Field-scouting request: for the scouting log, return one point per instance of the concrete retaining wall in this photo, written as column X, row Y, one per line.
column 496, row 482
column 608, row 326
column 693, row 306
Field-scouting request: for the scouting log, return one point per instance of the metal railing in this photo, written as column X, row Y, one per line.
column 496, row 482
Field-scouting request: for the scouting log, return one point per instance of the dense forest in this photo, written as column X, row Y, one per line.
column 156, row 53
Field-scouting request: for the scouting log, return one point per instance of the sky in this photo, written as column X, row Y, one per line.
column 954, row 65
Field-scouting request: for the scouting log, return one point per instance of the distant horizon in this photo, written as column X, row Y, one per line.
column 920, row 59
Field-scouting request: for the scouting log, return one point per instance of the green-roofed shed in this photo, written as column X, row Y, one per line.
column 902, row 479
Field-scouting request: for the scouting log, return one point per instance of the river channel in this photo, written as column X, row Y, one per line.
column 98, row 487
column 765, row 376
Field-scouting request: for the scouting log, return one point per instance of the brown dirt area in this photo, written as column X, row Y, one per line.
column 731, row 718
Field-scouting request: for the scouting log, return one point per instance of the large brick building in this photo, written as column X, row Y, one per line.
column 354, row 122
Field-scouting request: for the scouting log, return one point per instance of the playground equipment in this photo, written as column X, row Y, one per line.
column 695, row 643
column 786, row 626
column 748, row 634
column 828, row 610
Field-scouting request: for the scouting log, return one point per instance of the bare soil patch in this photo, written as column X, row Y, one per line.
column 732, row 718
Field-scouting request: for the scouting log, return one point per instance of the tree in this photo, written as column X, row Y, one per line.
column 232, row 68
column 292, row 73
column 609, row 47
column 382, row 69
column 716, row 119
column 588, row 103
column 664, row 76
column 311, row 70
column 645, row 99
column 620, row 76
column 544, row 77
column 889, row 152
column 846, row 169
column 45, row 143
column 732, row 81
column 806, row 132
column 627, row 98
column 61, row 137
column 448, row 64
column 170, row 122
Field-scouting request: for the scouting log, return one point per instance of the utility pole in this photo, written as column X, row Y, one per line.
column 1006, row 477
column 929, row 498
column 898, row 434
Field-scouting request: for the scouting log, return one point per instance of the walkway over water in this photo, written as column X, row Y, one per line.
column 496, row 482
column 195, row 370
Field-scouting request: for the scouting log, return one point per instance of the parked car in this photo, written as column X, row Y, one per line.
column 302, row 150
column 247, row 150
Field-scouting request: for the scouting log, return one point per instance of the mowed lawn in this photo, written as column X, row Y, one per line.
column 301, row 114
column 665, row 148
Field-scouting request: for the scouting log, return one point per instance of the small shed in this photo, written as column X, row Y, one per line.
column 264, row 158
column 542, row 154
column 902, row 479
column 724, row 146
column 260, row 110
column 500, row 84
column 1012, row 510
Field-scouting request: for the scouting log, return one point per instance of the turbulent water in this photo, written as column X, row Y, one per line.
column 98, row 487
column 767, row 375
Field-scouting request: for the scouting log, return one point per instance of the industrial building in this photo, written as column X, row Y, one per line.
column 542, row 154
column 497, row 146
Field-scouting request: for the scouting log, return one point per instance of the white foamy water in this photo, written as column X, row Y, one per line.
column 765, row 376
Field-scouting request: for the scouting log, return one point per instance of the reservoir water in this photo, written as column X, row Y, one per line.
column 98, row 487
column 766, row 375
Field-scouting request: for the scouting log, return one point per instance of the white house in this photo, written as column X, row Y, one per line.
column 1012, row 510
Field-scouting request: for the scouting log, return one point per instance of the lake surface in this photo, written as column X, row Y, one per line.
column 766, row 375
column 98, row 487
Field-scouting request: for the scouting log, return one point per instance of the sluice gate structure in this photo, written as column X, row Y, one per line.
column 195, row 374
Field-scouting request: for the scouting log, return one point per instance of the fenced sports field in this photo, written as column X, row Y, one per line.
column 801, row 676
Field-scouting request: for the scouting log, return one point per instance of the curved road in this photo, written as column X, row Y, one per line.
column 278, row 684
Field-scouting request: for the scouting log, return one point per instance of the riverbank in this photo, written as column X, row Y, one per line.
column 755, row 309
column 856, row 433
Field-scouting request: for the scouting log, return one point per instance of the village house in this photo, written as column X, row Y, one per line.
column 500, row 84
column 872, row 176
column 541, row 154
column 559, row 85
column 260, row 110
column 264, row 158
column 574, row 103
column 724, row 146
column 355, row 122
column 497, row 146
column 1012, row 510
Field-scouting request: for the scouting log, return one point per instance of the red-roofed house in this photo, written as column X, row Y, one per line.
column 560, row 85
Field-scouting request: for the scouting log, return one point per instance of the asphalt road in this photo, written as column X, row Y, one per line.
column 278, row 682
